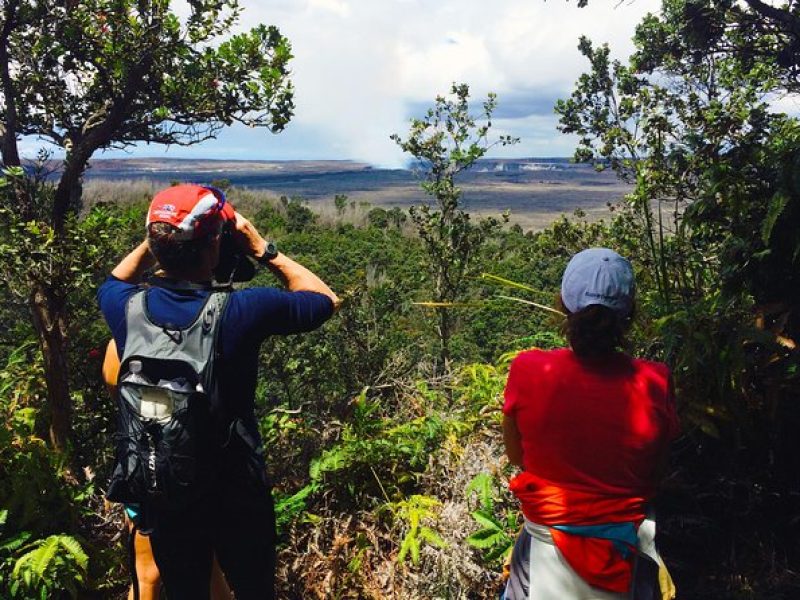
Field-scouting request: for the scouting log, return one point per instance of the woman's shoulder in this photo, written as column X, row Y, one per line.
column 534, row 357
column 658, row 368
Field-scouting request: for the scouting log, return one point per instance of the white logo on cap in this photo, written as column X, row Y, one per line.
column 165, row 211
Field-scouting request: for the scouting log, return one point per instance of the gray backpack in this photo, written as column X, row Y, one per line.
column 169, row 416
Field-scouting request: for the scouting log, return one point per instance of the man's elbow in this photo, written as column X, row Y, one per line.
column 335, row 300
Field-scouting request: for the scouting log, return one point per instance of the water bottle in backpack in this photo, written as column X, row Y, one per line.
column 156, row 402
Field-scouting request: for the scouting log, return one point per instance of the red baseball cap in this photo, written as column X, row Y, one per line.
column 194, row 210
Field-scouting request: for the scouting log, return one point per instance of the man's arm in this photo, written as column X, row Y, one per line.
column 294, row 276
column 115, row 291
column 132, row 267
column 297, row 278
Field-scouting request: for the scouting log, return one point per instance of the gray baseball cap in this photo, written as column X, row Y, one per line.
column 598, row 276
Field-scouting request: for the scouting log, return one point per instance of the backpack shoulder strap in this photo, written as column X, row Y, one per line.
column 210, row 314
column 135, row 308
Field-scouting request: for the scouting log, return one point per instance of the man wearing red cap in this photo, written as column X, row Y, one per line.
column 233, row 515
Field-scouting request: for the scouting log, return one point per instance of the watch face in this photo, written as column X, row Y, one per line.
column 271, row 250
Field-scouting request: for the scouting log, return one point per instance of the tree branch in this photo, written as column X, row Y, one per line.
column 791, row 23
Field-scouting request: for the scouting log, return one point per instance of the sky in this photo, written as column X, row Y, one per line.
column 364, row 68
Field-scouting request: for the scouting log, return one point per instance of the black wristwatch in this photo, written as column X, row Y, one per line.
column 270, row 252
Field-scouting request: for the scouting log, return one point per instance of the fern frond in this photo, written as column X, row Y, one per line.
column 15, row 543
column 432, row 537
column 486, row 520
column 44, row 556
column 486, row 538
column 501, row 552
column 75, row 550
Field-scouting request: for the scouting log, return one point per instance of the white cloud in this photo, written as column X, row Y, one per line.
column 357, row 77
column 362, row 66
column 337, row 7
column 787, row 103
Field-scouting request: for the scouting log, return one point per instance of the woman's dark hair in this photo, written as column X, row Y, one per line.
column 595, row 330
column 173, row 254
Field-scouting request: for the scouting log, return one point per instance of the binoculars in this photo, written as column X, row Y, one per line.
column 233, row 265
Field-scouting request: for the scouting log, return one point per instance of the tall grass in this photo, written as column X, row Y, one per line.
column 247, row 200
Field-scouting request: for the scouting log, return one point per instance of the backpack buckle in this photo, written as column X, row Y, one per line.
column 174, row 334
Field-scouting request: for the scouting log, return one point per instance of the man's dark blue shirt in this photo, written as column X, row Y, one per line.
column 250, row 316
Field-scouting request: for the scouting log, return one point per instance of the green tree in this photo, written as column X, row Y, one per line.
column 340, row 202
column 711, row 162
column 88, row 76
column 752, row 30
column 714, row 210
column 446, row 141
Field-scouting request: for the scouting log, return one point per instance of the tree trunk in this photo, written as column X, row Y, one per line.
column 445, row 331
column 68, row 192
column 8, row 135
column 49, row 318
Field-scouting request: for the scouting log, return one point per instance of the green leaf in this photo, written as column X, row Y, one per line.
column 432, row 537
column 501, row 552
column 44, row 555
column 75, row 550
column 776, row 206
column 15, row 543
column 486, row 520
column 487, row 538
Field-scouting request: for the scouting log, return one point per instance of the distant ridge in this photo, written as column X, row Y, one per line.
column 155, row 165
column 209, row 165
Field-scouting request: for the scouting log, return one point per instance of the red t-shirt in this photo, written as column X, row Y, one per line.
column 594, row 425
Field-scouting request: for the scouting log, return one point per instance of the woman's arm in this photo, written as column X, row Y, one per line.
column 111, row 368
column 512, row 440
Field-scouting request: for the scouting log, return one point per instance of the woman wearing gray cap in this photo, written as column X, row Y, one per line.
column 590, row 426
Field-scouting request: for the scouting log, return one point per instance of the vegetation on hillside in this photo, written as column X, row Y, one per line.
column 382, row 433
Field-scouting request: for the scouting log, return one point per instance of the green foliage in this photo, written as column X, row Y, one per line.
column 298, row 216
column 397, row 449
column 447, row 141
column 55, row 564
column 480, row 386
column 33, row 252
column 412, row 513
column 340, row 202
column 223, row 184
column 495, row 540
column 34, row 562
column 105, row 73
column 290, row 508
column 382, row 218
column 31, row 490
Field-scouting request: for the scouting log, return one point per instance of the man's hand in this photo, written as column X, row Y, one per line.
column 248, row 238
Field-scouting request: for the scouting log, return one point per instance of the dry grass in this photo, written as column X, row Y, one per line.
column 533, row 206
column 354, row 555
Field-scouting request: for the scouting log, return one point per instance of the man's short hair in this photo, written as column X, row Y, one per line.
column 172, row 253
